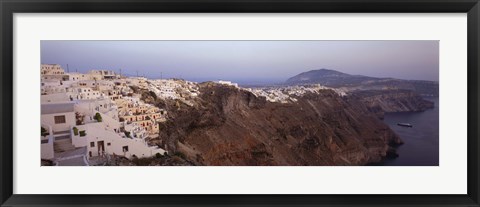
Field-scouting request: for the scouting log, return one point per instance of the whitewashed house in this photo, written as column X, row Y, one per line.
column 60, row 116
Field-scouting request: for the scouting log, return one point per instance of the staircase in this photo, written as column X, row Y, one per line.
column 63, row 141
column 76, row 157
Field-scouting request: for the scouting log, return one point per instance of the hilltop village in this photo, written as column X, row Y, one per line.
column 88, row 118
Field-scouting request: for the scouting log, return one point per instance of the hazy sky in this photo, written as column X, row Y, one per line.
column 247, row 61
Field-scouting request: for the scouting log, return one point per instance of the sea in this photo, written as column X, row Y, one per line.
column 421, row 147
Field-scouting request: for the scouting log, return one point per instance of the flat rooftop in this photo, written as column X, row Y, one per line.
column 54, row 108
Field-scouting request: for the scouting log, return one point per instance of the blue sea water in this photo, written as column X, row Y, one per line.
column 421, row 146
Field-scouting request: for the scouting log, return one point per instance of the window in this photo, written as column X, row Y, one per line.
column 92, row 144
column 125, row 148
column 59, row 119
column 108, row 144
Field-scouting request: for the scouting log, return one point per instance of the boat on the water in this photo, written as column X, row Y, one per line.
column 405, row 124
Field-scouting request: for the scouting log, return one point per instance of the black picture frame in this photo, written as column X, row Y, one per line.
column 10, row 7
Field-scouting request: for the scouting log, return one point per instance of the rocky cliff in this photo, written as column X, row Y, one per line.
column 381, row 101
column 229, row 126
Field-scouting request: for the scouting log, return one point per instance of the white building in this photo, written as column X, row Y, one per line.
column 51, row 71
column 103, row 74
column 79, row 76
column 60, row 116
column 101, row 142
column 51, row 86
column 84, row 93
column 229, row 83
column 55, row 98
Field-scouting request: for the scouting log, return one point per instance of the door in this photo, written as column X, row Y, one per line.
column 101, row 148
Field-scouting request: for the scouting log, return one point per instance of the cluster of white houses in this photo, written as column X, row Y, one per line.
column 86, row 118
column 287, row 94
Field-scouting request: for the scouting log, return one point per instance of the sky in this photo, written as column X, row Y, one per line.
column 247, row 62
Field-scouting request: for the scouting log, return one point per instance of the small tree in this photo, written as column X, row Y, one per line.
column 127, row 134
column 44, row 132
column 83, row 133
column 158, row 155
column 75, row 131
column 98, row 117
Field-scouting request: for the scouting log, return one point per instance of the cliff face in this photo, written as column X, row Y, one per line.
column 228, row 126
column 381, row 101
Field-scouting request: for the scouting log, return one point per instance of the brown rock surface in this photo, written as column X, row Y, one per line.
column 228, row 126
column 384, row 101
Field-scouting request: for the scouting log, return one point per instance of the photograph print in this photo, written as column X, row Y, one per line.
column 239, row 103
